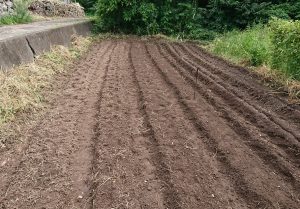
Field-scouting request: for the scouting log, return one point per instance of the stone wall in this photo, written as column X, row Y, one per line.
column 52, row 8
column 6, row 7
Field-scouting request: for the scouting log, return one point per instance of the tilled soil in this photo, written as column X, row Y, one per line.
column 153, row 124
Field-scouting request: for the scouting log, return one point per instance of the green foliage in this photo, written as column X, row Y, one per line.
column 20, row 14
column 276, row 45
column 89, row 5
column 181, row 18
column 193, row 19
column 252, row 46
column 229, row 14
column 285, row 38
column 135, row 16
column 188, row 23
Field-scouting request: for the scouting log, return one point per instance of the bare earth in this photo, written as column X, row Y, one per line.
column 151, row 124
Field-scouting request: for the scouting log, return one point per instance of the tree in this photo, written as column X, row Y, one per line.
column 188, row 18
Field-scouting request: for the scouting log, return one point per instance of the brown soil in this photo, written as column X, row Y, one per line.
column 153, row 124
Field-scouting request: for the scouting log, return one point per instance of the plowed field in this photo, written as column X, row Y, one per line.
column 153, row 124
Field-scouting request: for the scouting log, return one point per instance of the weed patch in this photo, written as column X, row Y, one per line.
column 259, row 47
column 252, row 46
column 19, row 16
column 285, row 36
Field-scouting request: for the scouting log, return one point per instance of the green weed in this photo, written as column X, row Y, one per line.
column 19, row 16
column 252, row 46
column 285, row 36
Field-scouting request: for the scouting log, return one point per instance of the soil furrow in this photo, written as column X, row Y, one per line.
column 123, row 171
column 150, row 124
column 12, row 170
column 85, row 125
column 242, row 188
column 188, row 160
column 279, row 137
column 259, row 146
column 241, row 91
column 248, row 81
column 237, row 94
column 48, row 157
column 162, row 171
column 95, row 139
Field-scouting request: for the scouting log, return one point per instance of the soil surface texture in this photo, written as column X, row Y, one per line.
column 150, row 124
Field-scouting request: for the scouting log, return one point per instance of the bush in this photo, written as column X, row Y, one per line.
column 252, row 46
column 138, row 17
column 145, row 17
column 285, row 37
column 230, row 14
column 192, row 19
column 20, row 14
column 188, row 22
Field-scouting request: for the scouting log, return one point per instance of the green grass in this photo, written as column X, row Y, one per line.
column 285, row 36
column 20, row 15
column 260, row 47
column 14, row 19
column 252, row 46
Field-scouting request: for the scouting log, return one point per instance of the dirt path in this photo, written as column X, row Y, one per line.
column 152, row 124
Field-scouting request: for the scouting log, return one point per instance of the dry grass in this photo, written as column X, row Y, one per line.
column 280, row 82
column 21, row 88
column 38, row 18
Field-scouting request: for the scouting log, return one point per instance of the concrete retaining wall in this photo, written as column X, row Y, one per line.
column 23, row 49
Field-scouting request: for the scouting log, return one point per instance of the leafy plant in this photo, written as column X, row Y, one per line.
column 196, row 19
column 285, row 38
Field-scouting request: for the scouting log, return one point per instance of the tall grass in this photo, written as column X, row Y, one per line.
column 274, row 51
column 19, row 16
column 285, row 36
column 252, row 46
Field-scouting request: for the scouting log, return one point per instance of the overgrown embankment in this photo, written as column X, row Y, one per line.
column 273, row 48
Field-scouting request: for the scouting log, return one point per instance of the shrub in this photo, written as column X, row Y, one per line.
column 138, row 17
column 285, row 37
column 252, row 46
column 193, row 19
column 20, row 14
column 230, row 14
column 188, row 22
column 181, row 18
